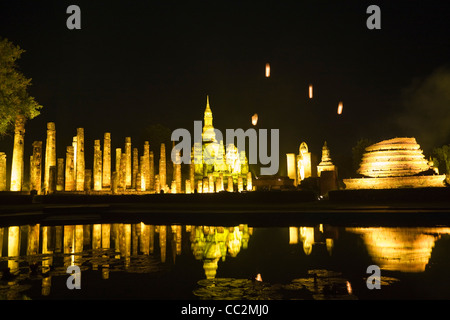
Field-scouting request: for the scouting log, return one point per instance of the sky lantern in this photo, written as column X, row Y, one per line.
column 310, row 91
column 267, row 70
column 340, row 107
column 255, row 119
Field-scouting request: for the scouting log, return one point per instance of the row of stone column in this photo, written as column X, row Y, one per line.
column 131, row 170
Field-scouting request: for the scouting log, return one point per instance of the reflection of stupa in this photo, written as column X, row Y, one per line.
column 400, row 249
column 395, row 163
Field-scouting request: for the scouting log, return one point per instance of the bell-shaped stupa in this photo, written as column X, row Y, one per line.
column 395, row 163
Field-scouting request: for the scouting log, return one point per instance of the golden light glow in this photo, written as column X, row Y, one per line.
column 255, row 119
column 310, row 91
column 400, row 249
column 267, row 70
column 340, row 108
column 258, row 277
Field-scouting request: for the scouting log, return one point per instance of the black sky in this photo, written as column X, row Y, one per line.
column 137, row 63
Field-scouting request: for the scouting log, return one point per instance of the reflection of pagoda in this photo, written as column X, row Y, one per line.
column 210, row 244
column 218, row 167
column 400, row 249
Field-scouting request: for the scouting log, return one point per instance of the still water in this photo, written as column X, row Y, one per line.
column 144, row 261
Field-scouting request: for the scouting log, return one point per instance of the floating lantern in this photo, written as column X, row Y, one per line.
column 340, row 107
column 267, row 70
column 255, row 119
column 258, row 277
column 310, row 91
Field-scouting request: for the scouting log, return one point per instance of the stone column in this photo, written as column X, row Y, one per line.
column 211, row 183
column 70, row 169
column 192, row 172
column 52, row 180
column 17, row 158
column 178, row 171
column 87, row 180
column 141, row 183
column 97, row 166
column 200, row 186
column 157, row 184
column 80, row 168
column 118, row 156
column 230, row 184
column 249, row 181
column 60, row 174
column 240, row 184
column 162, row 167
column 188, row 186
column 2, row 171
column 205, row 185
column 146, row 165
column 36, row 167
column 106, row 175
column 128, row 170
column 123, row 171
column 74, row 145
column 152, row 172
column 221, row 188
column 50, row 153
column 134, row 180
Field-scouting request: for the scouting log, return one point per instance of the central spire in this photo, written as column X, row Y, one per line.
column 208, row 129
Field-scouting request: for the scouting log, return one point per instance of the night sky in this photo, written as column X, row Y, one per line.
column 138, row 63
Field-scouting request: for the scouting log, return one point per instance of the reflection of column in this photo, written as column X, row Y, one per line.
column 46, row 261
column 134, row 238
column 127, row 230
column 96, row 236
column 151, row 238
column 163, row 242
column 106, row 175
column 36, row 167
column 97, row 166
column 68, row 246
column 80, row 164
column 3, row 171
column 144, row 244
column 13, row 248
column 17, row 158
column 78, row 244
column 293, row 235
column 70, row 169
column 58, row 238
column 1, row 240
column 33, row 239
column 106, row 236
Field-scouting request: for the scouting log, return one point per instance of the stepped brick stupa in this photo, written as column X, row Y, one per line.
column 395, row 163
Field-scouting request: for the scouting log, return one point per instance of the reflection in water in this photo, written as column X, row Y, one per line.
column 313, row 235
column 400, row 249
column 99, row 245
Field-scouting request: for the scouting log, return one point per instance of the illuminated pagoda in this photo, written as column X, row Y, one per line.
column 218, row 167
column 395, row 163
